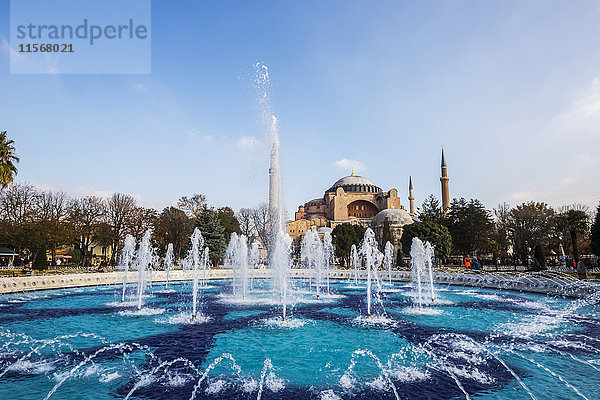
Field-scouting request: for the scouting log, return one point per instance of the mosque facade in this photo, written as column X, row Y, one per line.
column 355, row 199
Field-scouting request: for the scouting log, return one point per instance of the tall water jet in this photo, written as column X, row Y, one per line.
column 168, row 263
column 388, row 259
column 371, row 256
column 194, row 258
column 421, row 270
column 279, row 242
column 205, row 265
column 313, row 255
column 126, row 257
column 254, row 260
column 429, row 257
column 328, row 251
column 144, row 258
column 237, row 257
column 354, row 261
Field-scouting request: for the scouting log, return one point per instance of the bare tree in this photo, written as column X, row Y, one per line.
column 260, row 222
column 140, row 220
column 192, row 206
column 244, row 217
column 17, row 203
column 85, row 215
column 52, row 210
column 173, row 226
column 501, row 232
column 119, row 209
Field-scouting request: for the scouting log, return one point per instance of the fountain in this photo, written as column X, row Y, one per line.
column 126, row 257
column 194, row 259
column 421, row 270
column 237, row 257
column 144, row 259
column 279, row 242
column 372, row 258
column 329, row 254
column 354, row 261
column 168, row 263
column 313, row 255
column 502, row 343
column 253, row 260
column 205, row 265
column 388, row 260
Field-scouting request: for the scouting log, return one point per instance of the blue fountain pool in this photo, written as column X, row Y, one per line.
column 470, row 343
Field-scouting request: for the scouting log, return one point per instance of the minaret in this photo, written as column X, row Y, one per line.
column 411, row 197
column 444, row 180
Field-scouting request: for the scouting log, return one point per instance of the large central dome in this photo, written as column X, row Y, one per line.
column 353, row 183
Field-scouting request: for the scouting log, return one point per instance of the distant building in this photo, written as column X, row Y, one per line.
column 352, row 199
column 356, row 200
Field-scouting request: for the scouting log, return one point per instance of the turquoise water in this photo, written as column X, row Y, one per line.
column 476, row 343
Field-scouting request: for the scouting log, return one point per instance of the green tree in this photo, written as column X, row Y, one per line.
column 595, row 233
column 530, row 224
column 120, row 209
column 8, row 158
column 501, row 232
column 193, row 206
column 344, row 236
column 173, row 226
column 213, row 233
column 470, row 226
column 85, row 215
column 436, row 234
column 575, row 221
column 431, row 210
column 540, row 257
column 229, row 222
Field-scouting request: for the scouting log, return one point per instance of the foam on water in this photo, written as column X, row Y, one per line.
column 217, row 386
column 329, row 395
column 122, row 304
column 290, row 322
column 109, row 377
column 184, row 318
column 422, row 311
column 374, row 319
column 409, row 374
column 142, row 312
column 32, row 367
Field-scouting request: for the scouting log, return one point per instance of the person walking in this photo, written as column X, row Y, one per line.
column 581, row 270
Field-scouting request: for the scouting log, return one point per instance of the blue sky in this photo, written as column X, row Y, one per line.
column 511, row 89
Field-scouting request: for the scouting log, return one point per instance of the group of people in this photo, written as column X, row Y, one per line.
column 472, row 263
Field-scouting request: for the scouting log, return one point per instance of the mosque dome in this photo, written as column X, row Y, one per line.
column 396, row 217
column 324, row 230
column 354, row 183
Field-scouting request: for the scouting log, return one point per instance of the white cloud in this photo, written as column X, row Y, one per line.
column 248, row 142
column 44, row 187
column 138, row 87
column 195, row 134
column 348, row 165
column 83, row 191
column 582, row 117
column 5, row 47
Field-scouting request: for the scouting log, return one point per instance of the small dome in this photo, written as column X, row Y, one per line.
column 324, row 230
column 396, row 217
column 354, row 183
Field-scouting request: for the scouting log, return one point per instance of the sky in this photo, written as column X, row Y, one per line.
column 511, row 89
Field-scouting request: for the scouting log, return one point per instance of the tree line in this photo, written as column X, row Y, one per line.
column 36, row 222
column 528, row 231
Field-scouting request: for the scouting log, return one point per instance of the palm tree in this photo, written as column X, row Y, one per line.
column 575, row 221
column 7, row 160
